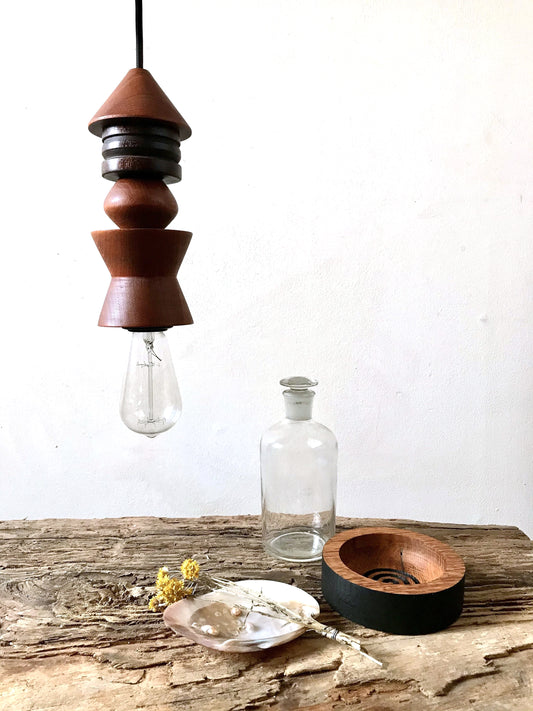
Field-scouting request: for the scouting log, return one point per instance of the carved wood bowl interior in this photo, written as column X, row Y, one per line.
column 393, row 580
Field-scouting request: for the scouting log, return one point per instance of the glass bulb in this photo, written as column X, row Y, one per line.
column 151, row 401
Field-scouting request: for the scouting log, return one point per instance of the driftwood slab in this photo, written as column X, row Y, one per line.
column 76, row 634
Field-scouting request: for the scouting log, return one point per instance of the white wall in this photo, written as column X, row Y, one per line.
column 360, row 187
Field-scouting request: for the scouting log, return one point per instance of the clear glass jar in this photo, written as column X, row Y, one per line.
column 298, row 479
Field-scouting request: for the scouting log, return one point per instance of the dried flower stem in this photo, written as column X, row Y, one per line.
column 286, row 613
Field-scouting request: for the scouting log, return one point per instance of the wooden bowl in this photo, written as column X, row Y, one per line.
column 393, row 580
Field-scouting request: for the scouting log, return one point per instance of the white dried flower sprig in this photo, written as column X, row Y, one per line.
column 171, row 590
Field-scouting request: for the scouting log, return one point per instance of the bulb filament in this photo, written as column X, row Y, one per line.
column 150, row 354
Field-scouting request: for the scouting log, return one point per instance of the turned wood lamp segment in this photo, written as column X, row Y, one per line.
column 141, row 132
column 139, row 96
column 144, row 291
column 140, row 203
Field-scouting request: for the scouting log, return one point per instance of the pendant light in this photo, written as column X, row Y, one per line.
column 141, row 132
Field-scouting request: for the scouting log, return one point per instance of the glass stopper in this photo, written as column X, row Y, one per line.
column 298, row 383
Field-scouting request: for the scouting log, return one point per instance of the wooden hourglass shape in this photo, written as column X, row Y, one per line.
column 141, row 133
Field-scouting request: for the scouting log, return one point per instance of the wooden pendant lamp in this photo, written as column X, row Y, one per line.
column 141, row 133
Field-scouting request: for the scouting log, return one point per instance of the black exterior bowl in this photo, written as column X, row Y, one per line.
column 393, row 580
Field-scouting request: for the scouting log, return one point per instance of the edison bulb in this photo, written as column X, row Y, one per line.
column 151, row 401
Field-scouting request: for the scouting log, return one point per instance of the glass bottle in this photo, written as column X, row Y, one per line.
column 298, row 479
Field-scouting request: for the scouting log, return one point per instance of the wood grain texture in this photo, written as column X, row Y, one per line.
column 76, row 634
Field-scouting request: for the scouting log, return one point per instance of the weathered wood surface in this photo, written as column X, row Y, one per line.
column 76, row 633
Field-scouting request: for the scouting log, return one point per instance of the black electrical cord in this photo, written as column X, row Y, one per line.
column 139, row 32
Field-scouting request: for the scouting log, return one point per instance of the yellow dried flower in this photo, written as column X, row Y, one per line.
column 162, row 577
column 172, row 591
column 190, row 569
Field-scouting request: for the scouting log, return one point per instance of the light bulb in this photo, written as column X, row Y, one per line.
column 151, row 401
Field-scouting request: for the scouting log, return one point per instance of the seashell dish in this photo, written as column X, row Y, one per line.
column 224, row 621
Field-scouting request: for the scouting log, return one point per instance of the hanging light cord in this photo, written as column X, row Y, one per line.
column 139, row 32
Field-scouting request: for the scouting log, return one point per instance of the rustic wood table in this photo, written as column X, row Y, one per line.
column 76, row 633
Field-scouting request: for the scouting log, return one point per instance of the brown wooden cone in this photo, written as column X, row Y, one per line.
column 144, row 291
column 139, row 96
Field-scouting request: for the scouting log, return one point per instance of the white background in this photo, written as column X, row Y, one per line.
column 359, row 183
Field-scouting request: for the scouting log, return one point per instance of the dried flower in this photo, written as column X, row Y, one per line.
column 169, row 590
column 162, row 577
column 173, row 590
column 190, row 569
